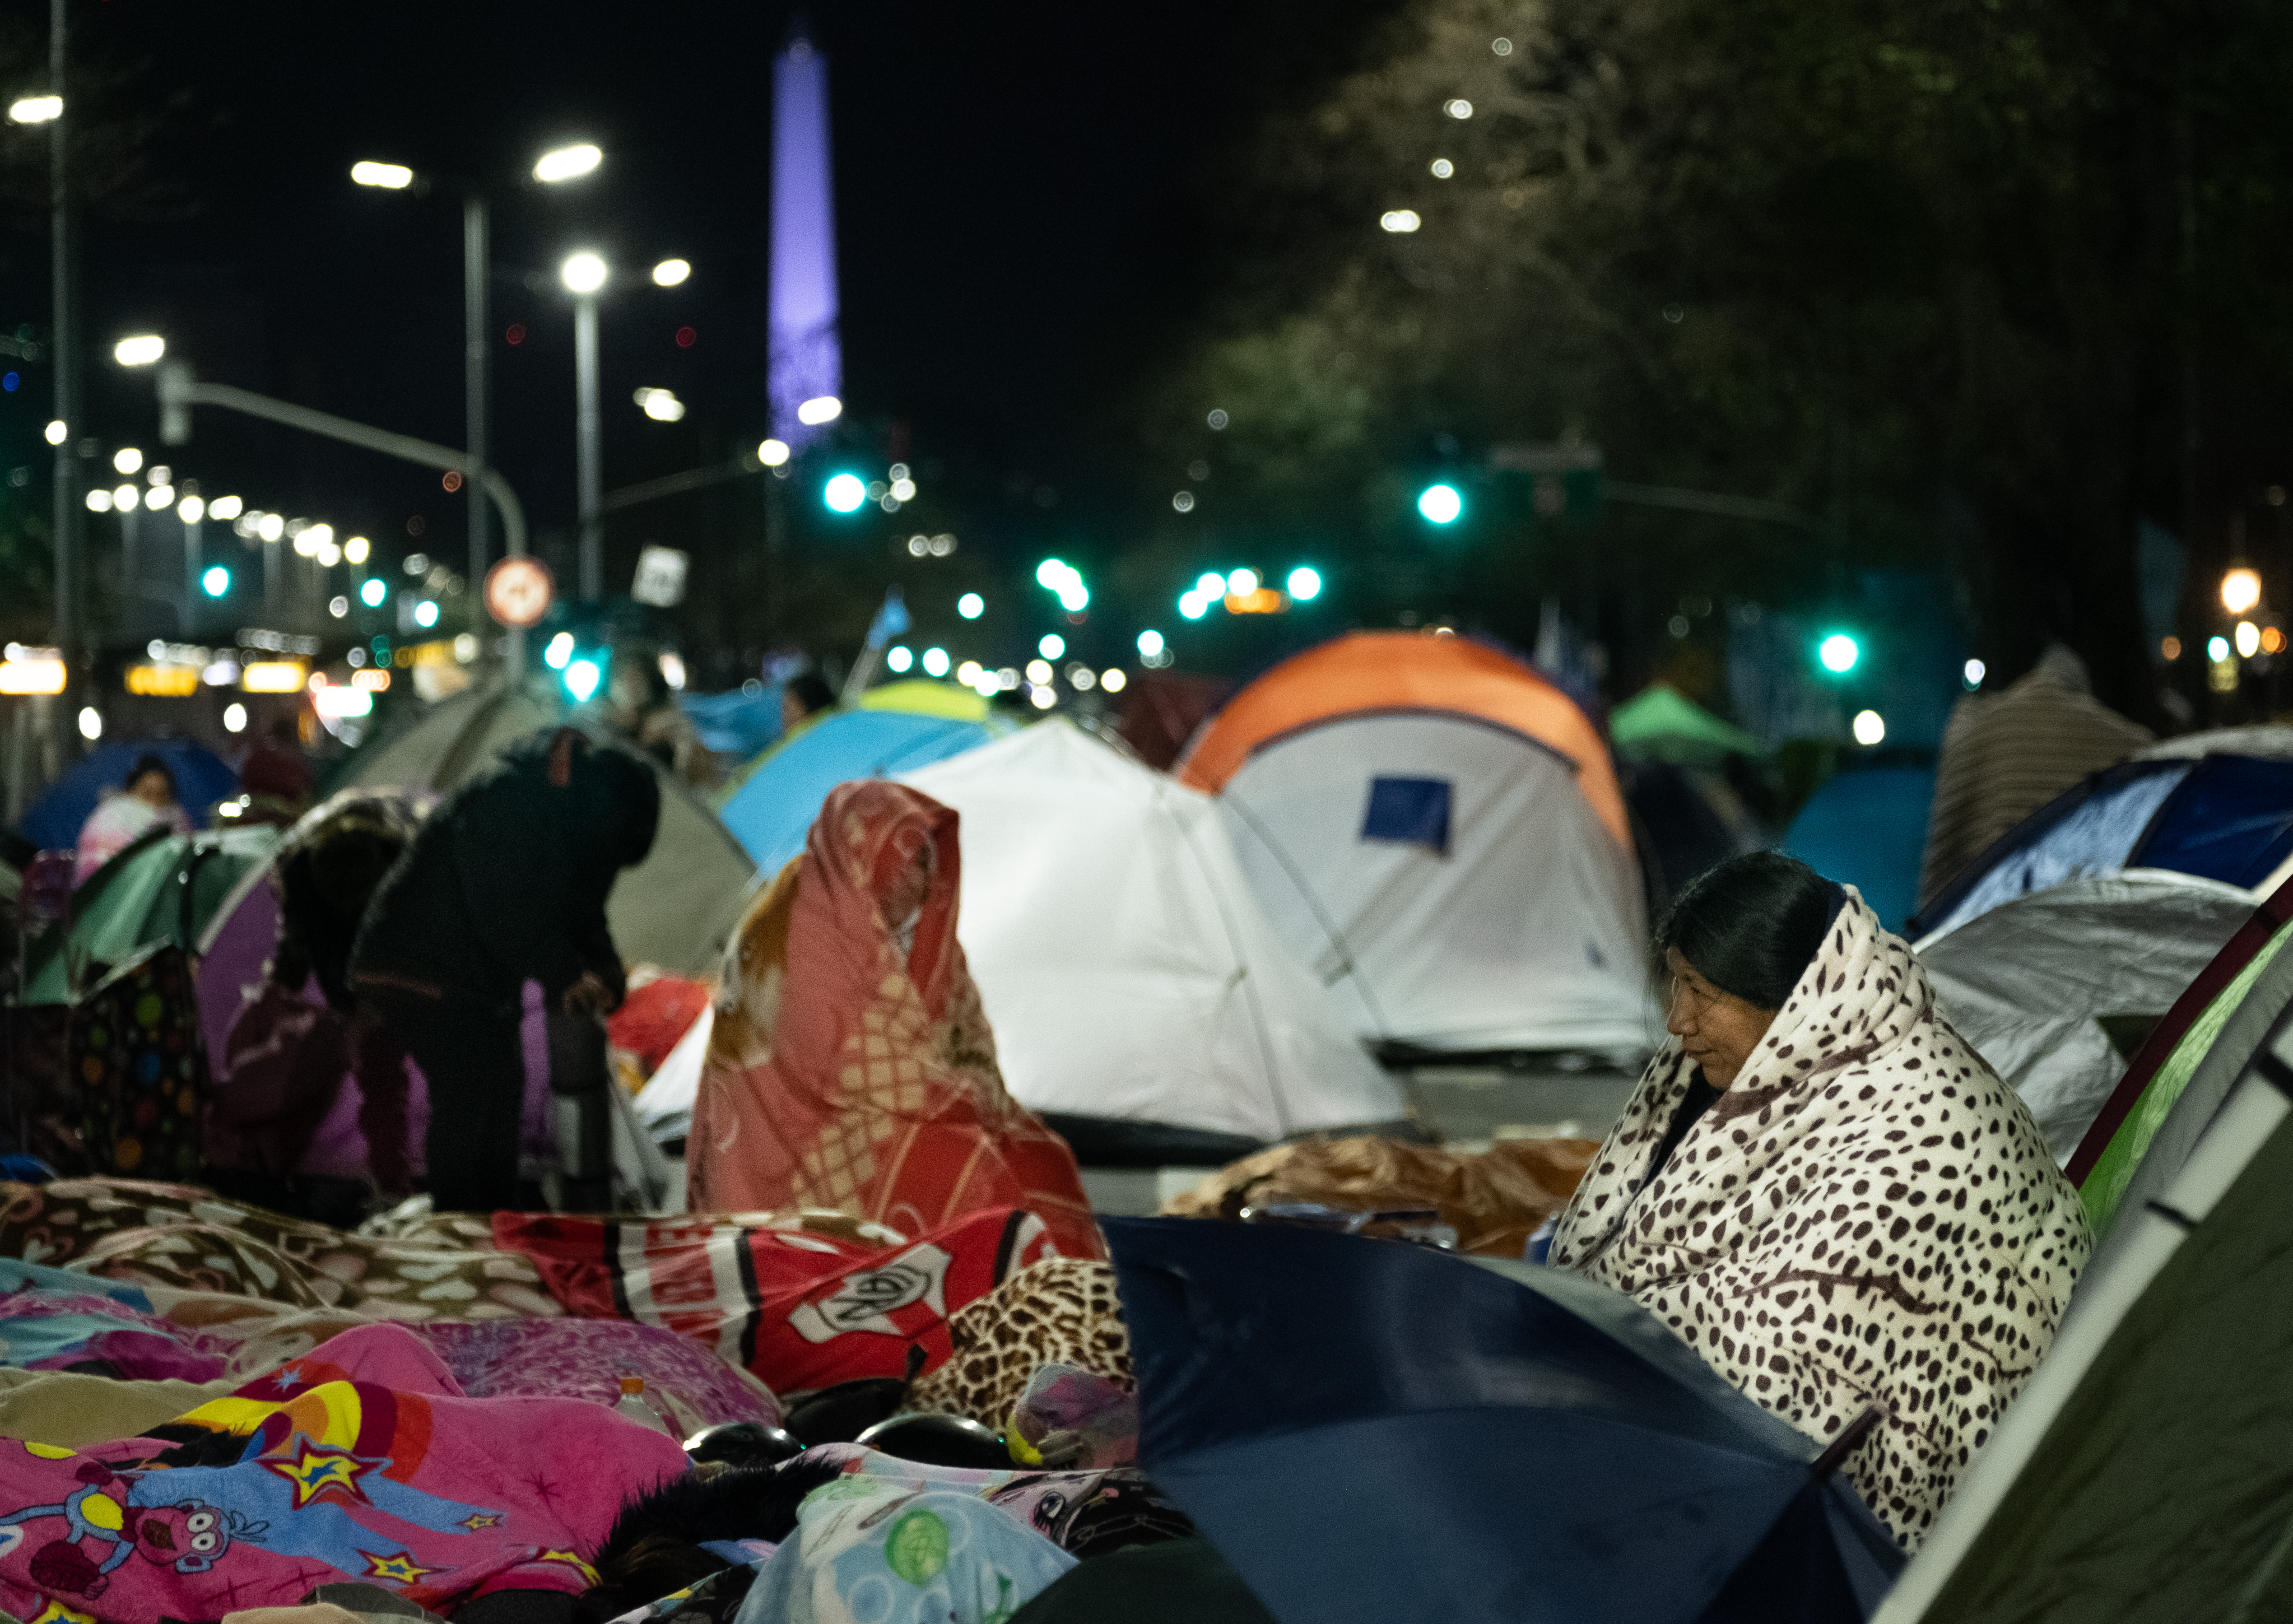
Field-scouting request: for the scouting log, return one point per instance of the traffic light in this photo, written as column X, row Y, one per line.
column 1838, row 652
column 845, row 493
column 216, row 582
column 1065, row 583
column 1440, row 503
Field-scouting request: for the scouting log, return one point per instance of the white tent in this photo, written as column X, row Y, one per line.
column 1520, row 926
column 1125, row 966
column 2031, row 982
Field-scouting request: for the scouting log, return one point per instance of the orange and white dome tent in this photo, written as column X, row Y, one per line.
column 1438, row 832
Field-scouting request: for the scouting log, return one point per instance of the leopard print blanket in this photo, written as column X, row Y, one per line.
column 1062, row 1311
column 1867, row 1218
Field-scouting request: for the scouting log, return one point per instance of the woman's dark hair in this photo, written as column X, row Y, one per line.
column 151, row 764
column 1751, row 925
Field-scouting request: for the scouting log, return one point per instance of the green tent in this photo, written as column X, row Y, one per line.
column 675, row 909
column 1661, row 724
column 2144, row 1477
column 163, row 889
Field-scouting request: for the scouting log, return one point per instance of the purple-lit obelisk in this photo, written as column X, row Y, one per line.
column 807, row 364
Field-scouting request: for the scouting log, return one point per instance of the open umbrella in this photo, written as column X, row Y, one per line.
column 1370, row 1430
column 164, row 888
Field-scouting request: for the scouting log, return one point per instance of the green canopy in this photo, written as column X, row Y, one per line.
column 1660, row 724
column 164, row 888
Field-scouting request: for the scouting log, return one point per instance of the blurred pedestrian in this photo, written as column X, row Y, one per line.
column 145, row 801
column 803, row 697
column 1824, row 1191
column 2006, row 755
column 506, row 883
column 275, row 777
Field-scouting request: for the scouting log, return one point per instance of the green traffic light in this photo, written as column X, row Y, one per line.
column 1440, row 503
column 1838, row 653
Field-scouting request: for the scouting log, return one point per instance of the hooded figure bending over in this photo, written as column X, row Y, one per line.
column 1822, row 1189
column 505, row 883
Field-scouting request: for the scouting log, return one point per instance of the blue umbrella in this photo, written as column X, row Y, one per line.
column 202, row 778
column 1374, row 1431
column 771, row 810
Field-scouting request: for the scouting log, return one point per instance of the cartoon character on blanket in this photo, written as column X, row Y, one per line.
column 321, row 1486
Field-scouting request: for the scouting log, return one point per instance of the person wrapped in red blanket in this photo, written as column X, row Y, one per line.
column 851, row 1065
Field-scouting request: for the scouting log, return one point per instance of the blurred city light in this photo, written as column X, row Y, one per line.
column 1038, row 671
column 1440, row 503
column 226, row 508
column 583, row 272
column 126, row 498
column 1442, row 169
column 936, row 662
column 567, row 163
column 1838, row 653
column 1063, row 578
column 190, row 510
column 899, row 659
column 581, row 679
column 1150, row 644
column 2247, row 637
column 55, row 432
column 845, row 493
column 158, row 497
column 821, row 409
column 2241, row 590
column 771, row 453
column 971, row 605
column 1870, row 727
column 1194, row 605
column 1113, row 679
column 671, row 272
column 1305, row 583
column 1042, row 698
column 559, row 651
column 1051, row 647
column 371, row 591
column 672, row 668
column 392, row 177
column 355, row 550
column 1457, row 107
column 90, row 723
column 425, row 613
column 128, row 460
column 1242, row 583
column 1399, row 220
column 2216, row 649
column 662, row 405
column 216, row 582
column 271, row 528
column 32, row 671
column 338, row 606
column 1975, row 671
column 139, row 350
column 99, row 501
column 234, row 718
column 35, row 109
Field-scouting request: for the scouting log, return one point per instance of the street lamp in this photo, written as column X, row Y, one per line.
column 584, row 274
column 140, row 350
column 564, row 164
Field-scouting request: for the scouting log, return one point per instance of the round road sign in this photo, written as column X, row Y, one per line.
column 519, row 590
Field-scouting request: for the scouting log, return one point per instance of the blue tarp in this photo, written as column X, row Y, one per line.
column 771, row 810
column 2222, row 817
column 1869, row 829
column 736, row 724
column 202, row 778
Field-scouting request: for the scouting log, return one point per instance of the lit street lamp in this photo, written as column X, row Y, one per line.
column 560, row 164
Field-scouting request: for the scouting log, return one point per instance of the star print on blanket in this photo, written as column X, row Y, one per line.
column 361, row 1461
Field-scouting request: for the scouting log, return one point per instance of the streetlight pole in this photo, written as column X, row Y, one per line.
column 63, row 355
column 586, row 446
column 474, row 261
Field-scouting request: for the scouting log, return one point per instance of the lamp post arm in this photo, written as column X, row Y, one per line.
column 405, row 447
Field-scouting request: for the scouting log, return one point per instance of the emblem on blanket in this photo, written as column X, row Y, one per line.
column 869, row 1300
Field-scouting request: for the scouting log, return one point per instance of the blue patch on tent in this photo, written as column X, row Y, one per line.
column 1412, row 811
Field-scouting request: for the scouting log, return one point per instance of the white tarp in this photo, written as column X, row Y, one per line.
column 2029, row 982
column 664, row 1105
column 1528, row 932
column 1125, row 966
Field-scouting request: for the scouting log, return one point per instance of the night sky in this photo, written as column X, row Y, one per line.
column 1025, row 193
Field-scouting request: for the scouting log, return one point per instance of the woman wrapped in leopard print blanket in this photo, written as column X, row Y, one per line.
column 1865, row 1218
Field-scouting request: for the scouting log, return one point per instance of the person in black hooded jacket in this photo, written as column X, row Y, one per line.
column 505, row 883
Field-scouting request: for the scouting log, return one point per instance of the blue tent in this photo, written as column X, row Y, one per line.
column 770, row 808
column 2220, row 818
column 1869, row 829
column 202, row 778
